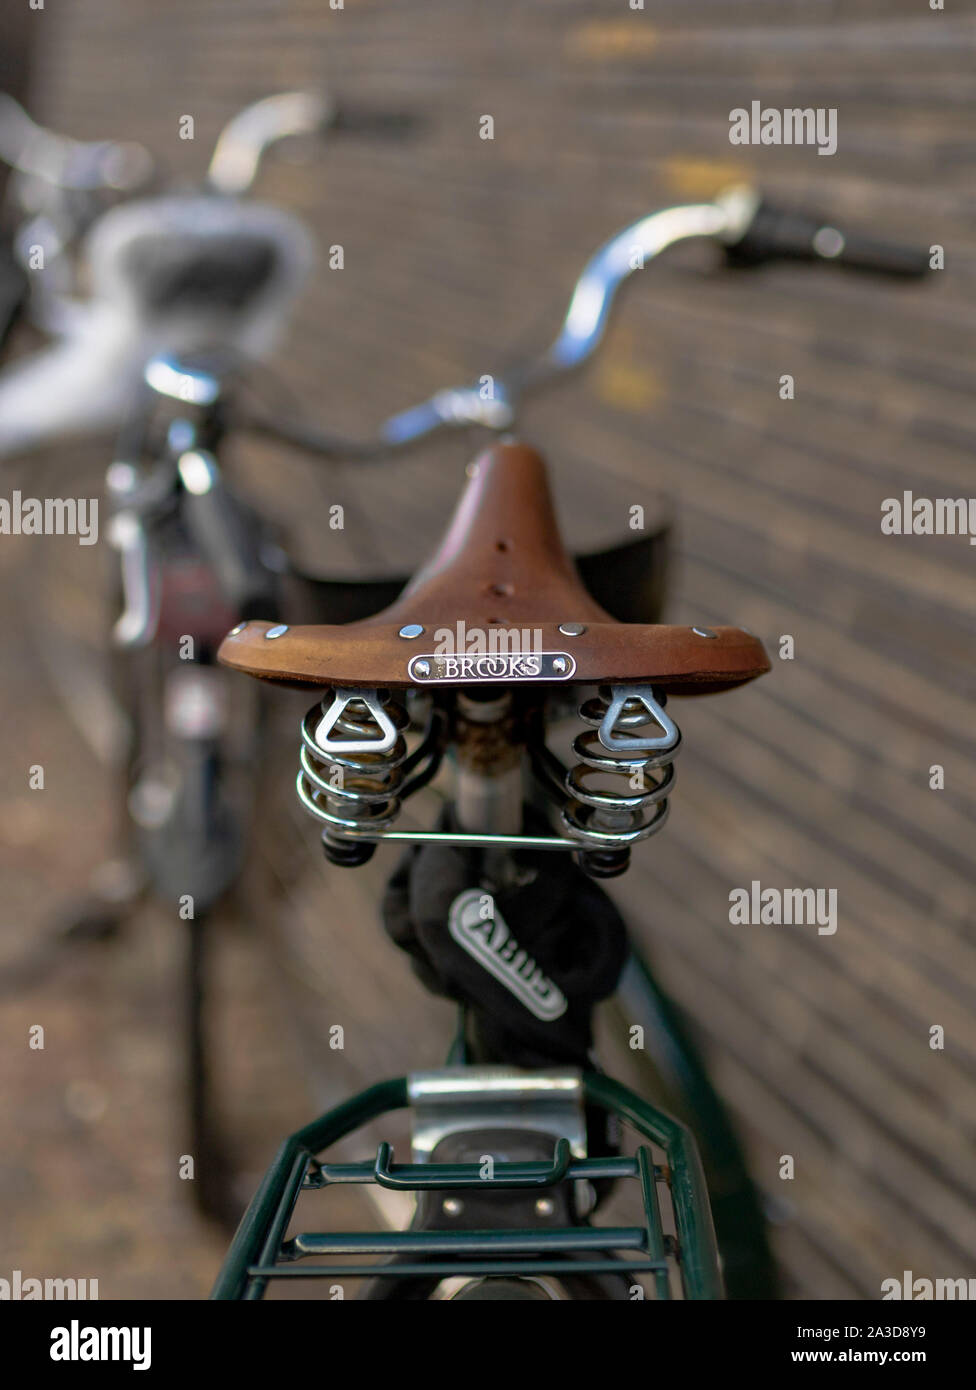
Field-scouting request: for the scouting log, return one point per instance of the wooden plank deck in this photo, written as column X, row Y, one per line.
column 459, row 252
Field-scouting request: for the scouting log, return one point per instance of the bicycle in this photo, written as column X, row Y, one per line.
column 189, row 290
column 176, row 520
column 514, row 1144
column 212, row 275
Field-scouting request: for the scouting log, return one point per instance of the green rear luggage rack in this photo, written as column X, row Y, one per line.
column 260, row 1252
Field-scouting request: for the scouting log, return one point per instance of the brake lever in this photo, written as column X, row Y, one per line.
column 776, row 234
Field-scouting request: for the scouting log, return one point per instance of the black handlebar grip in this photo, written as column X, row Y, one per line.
column 781, row 234
column 375, row 121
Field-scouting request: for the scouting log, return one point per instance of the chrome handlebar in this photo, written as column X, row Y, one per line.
column 69, row 165
column 751, row 231
column 725, row 220
column 57, row 173
column 245, row 139
column 66, row 164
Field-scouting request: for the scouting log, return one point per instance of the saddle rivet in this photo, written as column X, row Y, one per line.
column 451, row 1206
column 704, row 632
column 572, row 629
column 278, row 631
column 559, row 664
column 422, row 668
column 411, row 630
column 544, row 1206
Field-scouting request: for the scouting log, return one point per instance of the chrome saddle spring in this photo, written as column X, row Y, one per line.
column 352, row 762
column 607, row 817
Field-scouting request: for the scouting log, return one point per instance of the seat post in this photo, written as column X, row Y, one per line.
column 489, row 763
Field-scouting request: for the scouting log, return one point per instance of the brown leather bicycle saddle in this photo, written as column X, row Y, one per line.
column 499, row 602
